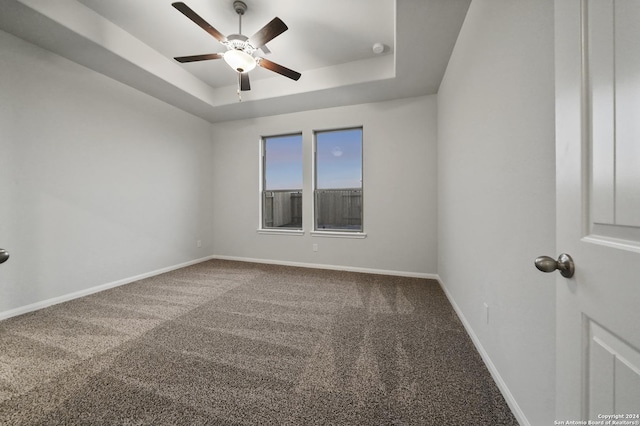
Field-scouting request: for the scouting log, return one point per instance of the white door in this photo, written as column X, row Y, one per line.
column 598, row 208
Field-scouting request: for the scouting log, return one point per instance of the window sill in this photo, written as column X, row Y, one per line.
column 337, row 234
column 281, row 231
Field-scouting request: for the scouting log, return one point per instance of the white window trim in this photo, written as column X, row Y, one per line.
column 269, row 231
column 338, row 234
column 314, row 152
column 261, row 229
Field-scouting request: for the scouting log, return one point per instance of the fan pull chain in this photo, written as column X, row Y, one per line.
column 239, row 92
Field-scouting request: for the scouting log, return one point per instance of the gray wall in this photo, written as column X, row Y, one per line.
column 497, row 192
column 98, row 182
column 399, row 168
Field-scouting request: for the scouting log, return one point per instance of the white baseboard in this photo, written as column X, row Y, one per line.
column 64, row 298
column 55, row 300
column 506, row 393
column 331, row 267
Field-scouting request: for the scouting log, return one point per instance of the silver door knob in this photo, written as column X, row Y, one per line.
column 564, row 264
column 4, row 255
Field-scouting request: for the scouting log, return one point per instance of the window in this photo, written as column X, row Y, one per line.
column 282, row 182
column 338, row 180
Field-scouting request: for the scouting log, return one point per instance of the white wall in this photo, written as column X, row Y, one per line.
column 98, row 182
column 497, row 191
column 399, row 170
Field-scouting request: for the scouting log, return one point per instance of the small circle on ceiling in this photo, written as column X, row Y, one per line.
column 378, row 48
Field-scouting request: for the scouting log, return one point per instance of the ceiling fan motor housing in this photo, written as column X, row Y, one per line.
column 239, row 42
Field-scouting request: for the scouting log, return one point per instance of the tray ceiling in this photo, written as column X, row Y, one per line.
column 329, row 41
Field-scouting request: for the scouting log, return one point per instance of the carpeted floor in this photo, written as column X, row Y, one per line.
column 230, row 343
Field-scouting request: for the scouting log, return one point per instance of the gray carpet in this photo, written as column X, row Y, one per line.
column 232, row 343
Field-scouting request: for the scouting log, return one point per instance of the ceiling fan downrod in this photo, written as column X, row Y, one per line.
column 240, row 7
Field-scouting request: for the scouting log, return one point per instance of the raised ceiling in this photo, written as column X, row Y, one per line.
column 328, row 41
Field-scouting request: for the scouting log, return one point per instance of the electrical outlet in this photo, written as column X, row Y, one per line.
column 486, row 313
column 315, row 247
column 199, row 243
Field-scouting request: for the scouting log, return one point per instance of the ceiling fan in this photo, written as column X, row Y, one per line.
column 240, row 54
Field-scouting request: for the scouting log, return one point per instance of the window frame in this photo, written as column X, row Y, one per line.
column 335, row 232
column 262, row 229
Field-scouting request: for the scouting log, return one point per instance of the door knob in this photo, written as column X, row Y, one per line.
column 564, row 264
column 4, row 255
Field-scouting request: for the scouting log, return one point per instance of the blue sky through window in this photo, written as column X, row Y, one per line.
column 283, row 162
column 339, row 159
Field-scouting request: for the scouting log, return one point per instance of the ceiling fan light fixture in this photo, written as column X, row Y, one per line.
column 240, row 61
column 240, row 48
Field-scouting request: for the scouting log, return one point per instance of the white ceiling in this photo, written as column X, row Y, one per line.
column 317, row 36
column 328, row 41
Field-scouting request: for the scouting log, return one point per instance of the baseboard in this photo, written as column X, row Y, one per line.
column 64, row 298
column 331, row 267
column 60, row 299
column 506, row 393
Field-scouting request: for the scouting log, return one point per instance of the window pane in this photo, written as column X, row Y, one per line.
column 339, row 159
column 282, row 182
column 283, row 162
column 338, row 203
